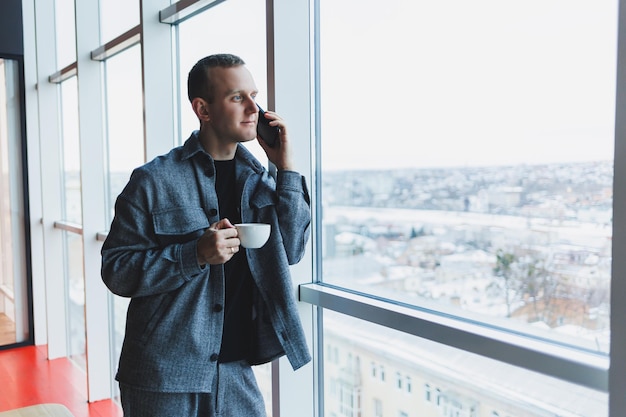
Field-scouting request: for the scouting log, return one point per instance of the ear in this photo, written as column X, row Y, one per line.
column 201, row 109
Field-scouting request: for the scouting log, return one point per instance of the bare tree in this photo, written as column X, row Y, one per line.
column 504, row 270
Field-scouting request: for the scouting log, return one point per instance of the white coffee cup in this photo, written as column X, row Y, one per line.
column 253, row 235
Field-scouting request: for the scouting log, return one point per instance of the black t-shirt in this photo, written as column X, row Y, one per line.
column 236, row 339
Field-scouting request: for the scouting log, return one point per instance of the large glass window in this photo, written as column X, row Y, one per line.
column 124, row 115
column 117, row 17
column 72, row 210
column 72, row 214
column 467, row 168
column 65, row 32
column 467, row 158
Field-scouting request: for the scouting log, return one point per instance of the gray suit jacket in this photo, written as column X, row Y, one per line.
column 175, row 317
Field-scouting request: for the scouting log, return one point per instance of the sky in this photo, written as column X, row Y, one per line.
column 459, row 83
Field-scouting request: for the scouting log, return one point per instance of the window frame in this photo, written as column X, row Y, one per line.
column 21, row 292
column 617, row 372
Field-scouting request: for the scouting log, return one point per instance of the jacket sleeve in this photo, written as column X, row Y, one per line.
column 294, row 213
column 136, row 261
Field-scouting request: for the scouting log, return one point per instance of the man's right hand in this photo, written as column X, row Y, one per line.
column 218, row 243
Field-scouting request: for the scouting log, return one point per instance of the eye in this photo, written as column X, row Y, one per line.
column 237, row 97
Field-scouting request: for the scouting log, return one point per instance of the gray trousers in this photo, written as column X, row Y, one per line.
column 235, row 394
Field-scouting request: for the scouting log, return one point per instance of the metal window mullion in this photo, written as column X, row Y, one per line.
column 289, row 86
column 617, row 373
column 159, row 79
column 47, row 114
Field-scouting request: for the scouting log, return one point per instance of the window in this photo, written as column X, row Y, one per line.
column 474, row 177
column 75, row 297
column 349, row 401
column 378, row 408
column 72, row 208
column 481, row 189
column 332, row 354
column 65, row 32
column 72, row 214
column 14, row 317
column 117, row 17
column 124, row 115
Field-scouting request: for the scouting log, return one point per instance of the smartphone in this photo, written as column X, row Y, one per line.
column 263, row 129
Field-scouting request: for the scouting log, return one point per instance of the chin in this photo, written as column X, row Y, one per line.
column 247, row 140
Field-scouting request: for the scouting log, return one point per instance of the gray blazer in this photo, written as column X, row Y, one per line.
column 175, row 317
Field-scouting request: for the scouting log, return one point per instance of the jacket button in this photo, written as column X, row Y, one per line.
column 214, row 357
column 218, row 307
column 213, row 212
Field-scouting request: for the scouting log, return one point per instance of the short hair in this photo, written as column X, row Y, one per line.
column 198, row 82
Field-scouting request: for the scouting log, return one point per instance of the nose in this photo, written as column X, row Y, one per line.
column 251, row 104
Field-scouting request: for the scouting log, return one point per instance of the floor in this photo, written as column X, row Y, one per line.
column 27, row 377
column 7, row 330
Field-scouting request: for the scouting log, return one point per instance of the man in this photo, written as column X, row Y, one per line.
column 204, row 309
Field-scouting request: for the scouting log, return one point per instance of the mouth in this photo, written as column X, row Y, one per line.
column 249, row 126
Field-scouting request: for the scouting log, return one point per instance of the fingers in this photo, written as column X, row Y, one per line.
column 275, row 119
column 280, row 154
column 213, row 249
column 218, row 244
column 226, row 251
column 222, row 224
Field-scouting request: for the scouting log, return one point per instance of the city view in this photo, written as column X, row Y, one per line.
column 527, row 247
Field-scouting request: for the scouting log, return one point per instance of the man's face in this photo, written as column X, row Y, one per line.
column 233, row 112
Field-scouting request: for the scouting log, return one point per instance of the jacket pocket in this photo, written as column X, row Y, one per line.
column 145, row 313
column 179, row 224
